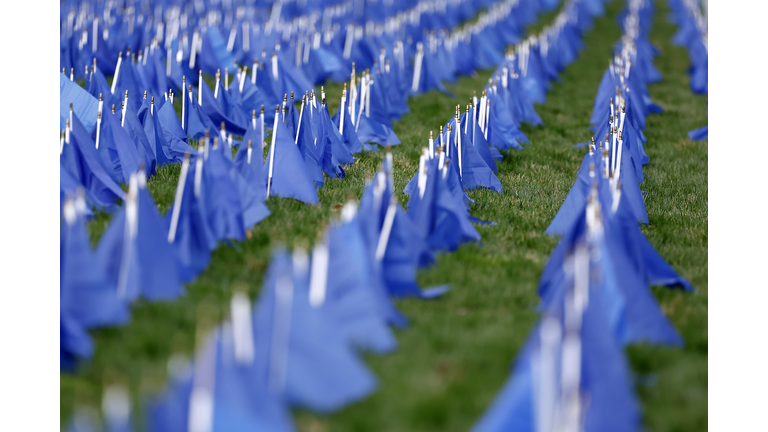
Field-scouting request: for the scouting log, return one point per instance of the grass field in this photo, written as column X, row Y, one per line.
column 457, row 352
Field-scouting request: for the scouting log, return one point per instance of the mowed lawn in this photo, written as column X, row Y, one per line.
column 458, row 350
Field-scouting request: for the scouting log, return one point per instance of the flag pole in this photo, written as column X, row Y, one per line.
column 183, row 104
column 177, row 200
column 272, row 151
column 117, row 72
column 301, row 113
column 341, row 109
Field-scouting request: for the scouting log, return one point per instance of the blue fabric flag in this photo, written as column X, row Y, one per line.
column 84, row 106
column 605, row 379
column 97, row 85
column 214, row 54
column 401, row 251
column 438, row 215
column 224, row 211
column 348, row 134
column 135, row 129
column 136, row 254
column 289, row 178
column 88, row 296
column 119, row 154
column 699, row 134
column 307, row 145
column 475, row 172
column 169, row 411
column 631, row 309
column 167, row 117
column 236, row 122
column 248, row 166
column 350, row 298
column 74, row 342
column 198, row 122
column 190, row 235
column 305, row 358
column 91, row 172
column 166, row 151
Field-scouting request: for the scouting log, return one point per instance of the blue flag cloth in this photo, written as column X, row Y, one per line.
column 248, row 165
column 350, row 298
column 127, row 80
column 577, row 196
column 96, row 85
column 272, row 90
column 478, row 141
column 289, row 178
column 167, row 117
column 190, row 234
column 169, row 411
column 305, row 359
column 83, row 284
column 90, row 169
column 350, row 138
column 252, row 98
column 219, row 392
column 429, row 77
column 135, row 251
column 371, row 131
column 235, row 112
column 69, row 186
column 330, row 132
column 379, row 110
column 501, row 130
column 236, row 121
column 306, row 142
column 631, row 309
column 646, row 260
column 88, row 296
column 242, row 400
column 605, row 379
column 152, row 69
column 322, row 63
column 369, row 218
column 135, row 129
column 474, row 171
column 699, row 134
column 331, row 151
column 167, row 151
column 438, row 214
column 74, row 342
column 214, row 54
column 85, row 106
column 119, row 154
column 581, row 309
column 397, row 242
column 197, row 121
column 517, row 101
column 327, row 160
column 224, row 211
column 396, row 101
column 289, row 78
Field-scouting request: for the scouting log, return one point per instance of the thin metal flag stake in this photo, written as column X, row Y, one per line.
column 272, row 150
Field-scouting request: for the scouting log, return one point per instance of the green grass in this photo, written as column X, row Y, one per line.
column 457, row 352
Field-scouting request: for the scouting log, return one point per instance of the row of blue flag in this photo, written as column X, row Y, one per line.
column 263, row 56
column 571, row 374
column 692, row 34
column 135, row 95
